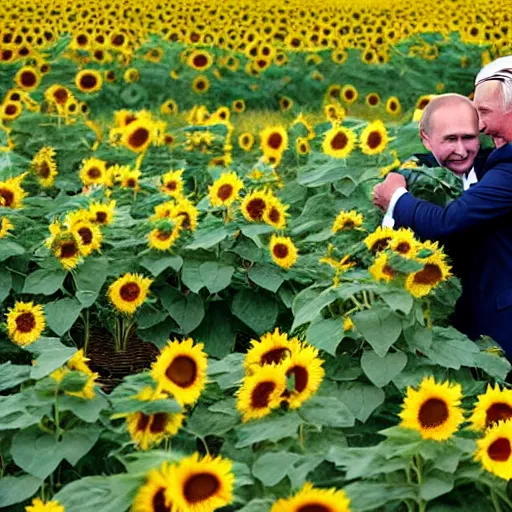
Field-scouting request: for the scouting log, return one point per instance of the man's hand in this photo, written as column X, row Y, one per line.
column 383, row 192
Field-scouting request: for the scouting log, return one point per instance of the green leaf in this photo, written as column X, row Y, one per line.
column 266, row 277
column 44, row 282
column 272, row 428
column 39, row 453
column 272, row 467
column 158, row 334
column 320, row 175
column 190, row 275
column 382, row 370
column 87, row 410
column 157, row 263
column 216, row 276
column 418, row 337
column 143, row 462
column 186, row 310
column 258, row 505
column 298, row 474
column 9, row 248
column 398, row 299
column 62, row 314
column 435, row 484
column 90, row 277
column 15, row 413
column 208, row 238
column 308, row 311
column 370, row 496
column 495, row 366
column 17, row 489
column 100, row 493
column 362, row 399
column 73, row 382
column 403, row 265
column 11, row 375
column 5, row 284
column 204, row 422
column 451, row 349
column 228, row 372
column 52, row 354
column 257, row 310
column 327, row 411
column 325, row 334
column 380, row 327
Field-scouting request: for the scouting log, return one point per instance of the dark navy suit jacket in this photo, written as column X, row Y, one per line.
column 478, row 226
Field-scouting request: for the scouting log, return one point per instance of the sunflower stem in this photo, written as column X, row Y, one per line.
column 357, row 303
column 365, row 297
column 495, row 501
column 87, row 333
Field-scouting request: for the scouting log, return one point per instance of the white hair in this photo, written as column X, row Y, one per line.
column 498, row 67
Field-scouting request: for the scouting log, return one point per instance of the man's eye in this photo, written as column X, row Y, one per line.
column 451, row 139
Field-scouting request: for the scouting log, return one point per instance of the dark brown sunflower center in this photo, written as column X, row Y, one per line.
column 118, row 40
column 498, row 412
column 349, row 223
column 275, row 140
column 285, row 103
column 138, row 138
column 143, row 422
column 423, row 104
column 171, row 185
column 301, row 377
column 339, row 141
column 130, row 292
column 101, row 217
column 186, row 224
column 500, row 450
column 392, row 106
column 388, row 271
column 159, row 501
column 163, row 235
column 6, row 55
column 274, row 356
column 225, row 191
column 260, row 395
column 200, row 487
column 159, row 422
column 431, row 274
column 374, row 140
column 373, row 100
column 28, row 79
column 182, row 371
column 200, row 85
column 94, row 173
column 25, row 322
column 44, row 170
column 313, row 507
column 280, row 251
column 69, row 249
column 86, row 235
column 255, row 208
column 131, row 182
column 15, row 96
column 380, row 244
column 7, row 197
column 200, row 61
column 274, row 215
column 11, row 109
column 433, row 412
column 88, row 81
column 349, row 94
column 81, row 40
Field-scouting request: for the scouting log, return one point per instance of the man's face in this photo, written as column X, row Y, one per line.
column 493, row 120
column 453, row 137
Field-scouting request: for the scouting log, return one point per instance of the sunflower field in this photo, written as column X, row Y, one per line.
column 199, row 309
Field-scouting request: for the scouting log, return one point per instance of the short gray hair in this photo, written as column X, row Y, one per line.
column 501, row 71
column 438, row 102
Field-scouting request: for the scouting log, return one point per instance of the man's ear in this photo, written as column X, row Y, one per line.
column 425, row 139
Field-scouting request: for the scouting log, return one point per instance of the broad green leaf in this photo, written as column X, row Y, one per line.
column 87, row 410
column 5, row 283
column 39, row 453
column 186, row 310
column 418, row 337
column 258, row 505
column 495, row 366
column 266, row 276
column 204, row 422
column 15, row 412
column 215, row 276
column 398, row 299
column 311, row 309
column 208, row 238
column 272, row 467
column 191, row 276
column 325, row 334
column 158, row 334
column 44, row 282
column 17, row 489
column 227, row 372
column 327, row 411
column 370, row 496
column 90, row 277
column 298, row 474
column 451, row 349
column 9, row 248
column 51, row 354
column 362, row 399
column 272, row 428
column 257, row 310
column 382, row 370
column 62, row 314
column 143, row 462
column 380, row 327
column 11, row 375
column 157, row 263
column 435, row 484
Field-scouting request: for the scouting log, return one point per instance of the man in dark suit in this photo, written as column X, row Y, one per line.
column 481, row 218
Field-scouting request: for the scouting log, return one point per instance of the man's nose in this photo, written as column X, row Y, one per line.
column 460, row 148
column 481, row 124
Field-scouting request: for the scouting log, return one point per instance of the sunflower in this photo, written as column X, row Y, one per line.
column 238, row 106
column 404, row 243
column 422, row 102
column 374, row 138
column 372, row 99
column 25, row 323
column 102, row 213
column 90, row 236
column 254, row 205
column 302, row 146
column 172, row 183
column 40, row 506
column 181, row 370
column 200, row 485
column 5, row 227
column 78, row 363
column 10, row 110
column 131, row 75
column 339, row 56
column 225, row 190
column 275, row 213
column 433, row 410
column 200, row 60
column 94, row 172
column 169, row 107
column 11, row 192
column 283, row 251
column 393, row 106
column 110, row 76
column 147, row 430
column 493, row 406
column 246, row 141
column 339, row 142
column 311, row 499
column 65, row 245
column 380, row 270
column 274, row 140
column 151, row 496
column 122, row 118
column 137, row 136
column 185, row 210
column 154, row 55
column 164, row 236
column 379, row 239
column 334, row 112
column 271, row 348
column 57, row 94
column 435, row 270
column 128, row 178
column 285, row 103
column 200, row 84
column 163, row 210
column 129, row 292
column 494, row 450
column 261, row 392
column 45, row 166
column 349, row 94
column 333, row 92
column 347, row 220
column 28, row 78
column 88, row 81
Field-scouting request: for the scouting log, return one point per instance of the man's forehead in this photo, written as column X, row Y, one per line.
column 460, row 119
column 486, row 92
